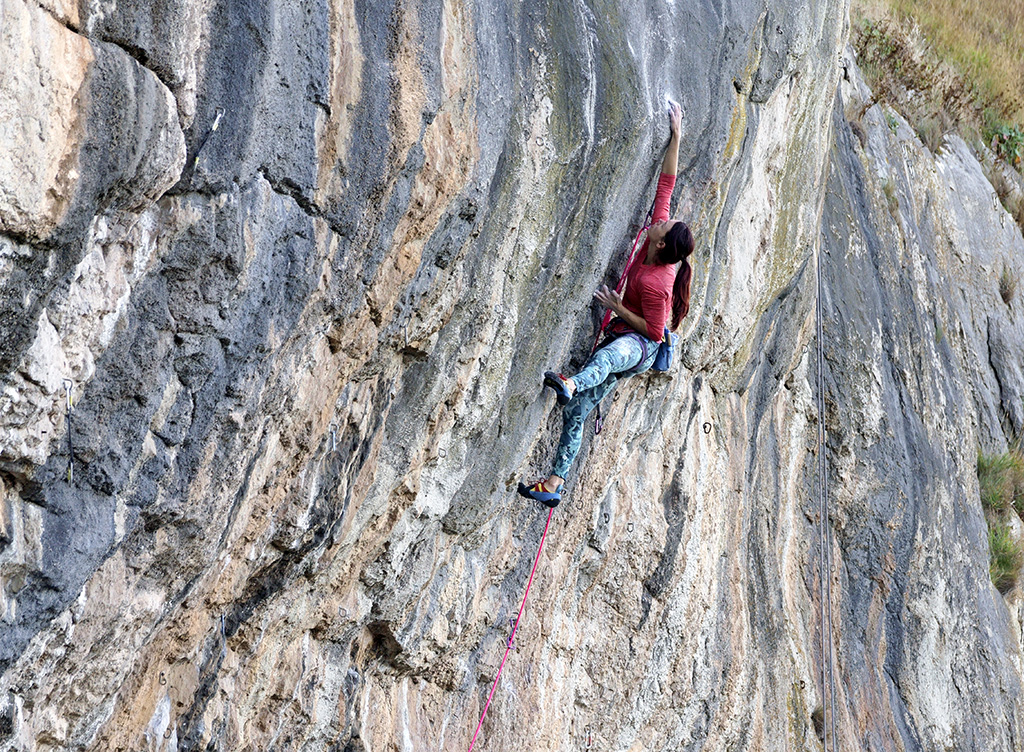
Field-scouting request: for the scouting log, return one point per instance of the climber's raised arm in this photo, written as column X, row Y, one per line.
column 667, row 180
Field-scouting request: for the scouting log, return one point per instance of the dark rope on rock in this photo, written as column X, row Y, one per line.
column 71, row 449
column 828, row 688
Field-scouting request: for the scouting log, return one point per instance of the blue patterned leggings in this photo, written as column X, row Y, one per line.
column 595, row 382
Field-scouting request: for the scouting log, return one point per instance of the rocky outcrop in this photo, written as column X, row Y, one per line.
column 924, row 360
column 303, row 302
column 91, row 139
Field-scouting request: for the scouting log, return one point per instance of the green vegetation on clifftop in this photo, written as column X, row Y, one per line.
column 949, row 63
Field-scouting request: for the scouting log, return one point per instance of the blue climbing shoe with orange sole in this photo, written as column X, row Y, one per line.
column 538, row 492
column 558, row 382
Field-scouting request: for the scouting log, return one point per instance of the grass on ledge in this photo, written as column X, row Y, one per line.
column 1001, row 482
column 1005, row 557
column 984, row 39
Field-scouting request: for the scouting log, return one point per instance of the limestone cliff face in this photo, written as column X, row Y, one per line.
column 924, row 367
column 302, row 265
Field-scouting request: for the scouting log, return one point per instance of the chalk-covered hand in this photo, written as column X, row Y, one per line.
column 609, row 299
column 675, row 116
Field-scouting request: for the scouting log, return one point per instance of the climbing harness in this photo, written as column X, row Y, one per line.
column 69, row 406
column 510, row 643
column 828, row 689
column 606, row 319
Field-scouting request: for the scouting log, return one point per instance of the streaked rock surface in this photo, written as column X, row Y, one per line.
column 304, row 351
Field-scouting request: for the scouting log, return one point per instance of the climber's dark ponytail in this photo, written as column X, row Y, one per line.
column 681, row 294
column 678, row 246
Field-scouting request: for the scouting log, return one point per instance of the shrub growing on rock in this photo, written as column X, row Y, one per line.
column 1007, row 285
column 1001, row 481
column 1005, row 557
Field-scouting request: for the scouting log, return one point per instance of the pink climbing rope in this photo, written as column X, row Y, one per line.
column 599, row 420
column 622, row 279
column 512, row 637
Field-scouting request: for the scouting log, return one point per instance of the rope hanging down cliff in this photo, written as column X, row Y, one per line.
column 657, row 293
column 828, row 689
column 597, row 339
column 606, row 319
column 631, row 260
column 512, row 637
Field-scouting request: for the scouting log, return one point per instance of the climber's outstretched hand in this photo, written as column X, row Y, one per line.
column 670, row 165
column 609, row 299
column 675, row 116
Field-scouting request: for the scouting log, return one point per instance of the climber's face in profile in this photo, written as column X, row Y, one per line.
column 656, row 233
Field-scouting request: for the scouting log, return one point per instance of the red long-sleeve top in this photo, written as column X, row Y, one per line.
column 648, row 291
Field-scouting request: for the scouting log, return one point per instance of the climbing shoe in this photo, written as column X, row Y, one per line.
column 560, row 384
column 538, row 492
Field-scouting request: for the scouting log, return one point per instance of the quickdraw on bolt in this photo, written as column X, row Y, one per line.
column 68, row 383
column 216, row 122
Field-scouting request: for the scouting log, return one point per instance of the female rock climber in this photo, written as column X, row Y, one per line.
column 656, row 288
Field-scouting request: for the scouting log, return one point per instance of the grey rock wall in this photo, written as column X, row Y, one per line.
column 924, row 370
column 304, row 352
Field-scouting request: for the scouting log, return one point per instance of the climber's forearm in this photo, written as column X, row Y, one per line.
column 670, row 165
